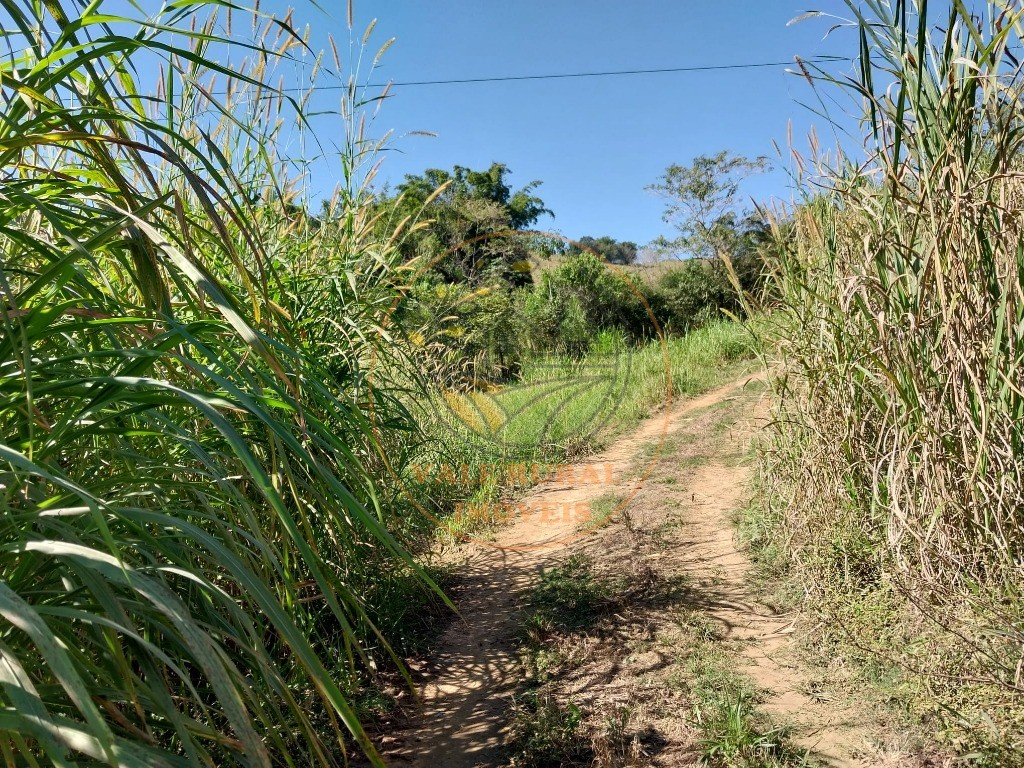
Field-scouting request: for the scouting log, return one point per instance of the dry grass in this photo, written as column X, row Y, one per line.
column 900, row 432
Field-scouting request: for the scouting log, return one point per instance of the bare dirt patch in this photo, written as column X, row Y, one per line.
column 628, row 682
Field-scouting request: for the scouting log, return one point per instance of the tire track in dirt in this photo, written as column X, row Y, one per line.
column 682, row 523
column 466, row 688
column 835, row 736
column 467, row 685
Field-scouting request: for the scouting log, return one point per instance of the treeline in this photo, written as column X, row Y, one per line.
column 485, row 296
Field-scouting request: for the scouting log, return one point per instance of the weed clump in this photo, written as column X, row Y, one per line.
column 545, row 734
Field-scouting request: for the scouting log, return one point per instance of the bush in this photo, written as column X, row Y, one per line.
column 692, row 294
column 582, row 296
column 468, row 337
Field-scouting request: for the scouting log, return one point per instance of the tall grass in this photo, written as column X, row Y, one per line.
column 900, row 436
column 191, row 526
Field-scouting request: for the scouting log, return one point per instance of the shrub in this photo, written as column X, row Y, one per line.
column 690, row 295
column 577, row 299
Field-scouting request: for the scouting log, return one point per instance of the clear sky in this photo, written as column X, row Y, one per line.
column 594, row 143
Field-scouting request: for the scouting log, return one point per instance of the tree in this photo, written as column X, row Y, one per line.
column 522, row 207
column 702, row 204
column 612, row 250
column 467, row 217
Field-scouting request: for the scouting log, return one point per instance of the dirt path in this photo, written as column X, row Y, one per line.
column 671, row 529
column 761, row 639
column 467, row 687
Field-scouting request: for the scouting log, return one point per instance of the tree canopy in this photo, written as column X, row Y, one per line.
column 611, row 250
column 468, row 212
column 702, row 203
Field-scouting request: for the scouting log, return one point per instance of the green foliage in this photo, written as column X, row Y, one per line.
column 557, row 322
column 696, row 291
column 544, row 734
column 732, row 737
column 467, row 336
column 571, row 596
column 692, row 294
column 733, row 732
column 194, row 543
column 727, row 243
column 484, row 333
column 611, row 250
column 521, row 207
column 701, row 203
column 580, row 297
column 467, row 214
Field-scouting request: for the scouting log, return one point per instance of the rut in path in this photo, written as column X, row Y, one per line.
column 467, row 685
column 467, row 688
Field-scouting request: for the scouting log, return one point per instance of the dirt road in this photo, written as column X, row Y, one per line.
column 675, row 519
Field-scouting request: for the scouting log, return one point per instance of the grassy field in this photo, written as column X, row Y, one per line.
column 560, row 402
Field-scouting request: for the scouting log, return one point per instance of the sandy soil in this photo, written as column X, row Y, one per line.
column 677, row 520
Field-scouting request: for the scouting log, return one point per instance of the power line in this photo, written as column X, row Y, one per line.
column 609, row 73
column 797, row 61
column 613, row 73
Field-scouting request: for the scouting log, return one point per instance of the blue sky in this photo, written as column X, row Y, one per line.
column 594, row 143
